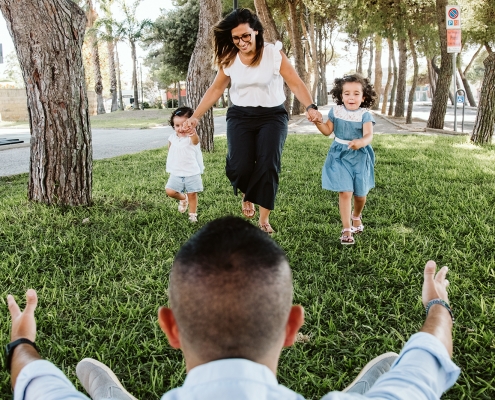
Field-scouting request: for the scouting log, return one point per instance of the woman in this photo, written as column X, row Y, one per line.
column 257, row 122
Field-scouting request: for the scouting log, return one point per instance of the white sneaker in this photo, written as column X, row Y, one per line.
column 100, row 382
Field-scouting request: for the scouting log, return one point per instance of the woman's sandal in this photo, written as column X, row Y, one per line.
column 183, row 204
column 248, row 209
column 266, row 227
column 360, row 227
column 344, row 239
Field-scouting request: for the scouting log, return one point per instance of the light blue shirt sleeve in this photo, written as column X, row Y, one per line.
column 423, row 370
column 42, row 380
column 331, row 115
column 367, row 117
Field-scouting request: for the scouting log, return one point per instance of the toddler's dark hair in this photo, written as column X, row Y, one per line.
column 181, row 112
column 369, row 94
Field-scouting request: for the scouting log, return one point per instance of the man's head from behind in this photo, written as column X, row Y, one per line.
column 230, row 295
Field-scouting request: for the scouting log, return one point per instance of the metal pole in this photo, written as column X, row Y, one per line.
column 455, row 92
column 235, row 4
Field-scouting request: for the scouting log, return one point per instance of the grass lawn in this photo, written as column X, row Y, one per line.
column 137, row 119
column 100, row 283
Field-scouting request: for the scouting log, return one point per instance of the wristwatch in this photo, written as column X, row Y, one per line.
column 313, row 106
column 9, row 349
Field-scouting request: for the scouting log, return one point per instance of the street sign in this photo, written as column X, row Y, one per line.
column 454, row 41
column 453, row 17
column 460, row 99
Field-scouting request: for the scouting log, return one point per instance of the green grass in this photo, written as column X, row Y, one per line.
column 100, row 283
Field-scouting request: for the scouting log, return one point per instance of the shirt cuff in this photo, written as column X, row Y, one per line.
column 52, row 384
column 427, row 342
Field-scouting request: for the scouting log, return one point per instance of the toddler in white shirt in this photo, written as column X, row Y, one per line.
column 184, row 164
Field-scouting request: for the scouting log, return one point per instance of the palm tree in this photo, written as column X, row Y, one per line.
column 132, row 30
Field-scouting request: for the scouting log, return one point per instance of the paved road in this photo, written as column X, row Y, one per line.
column 109, row 143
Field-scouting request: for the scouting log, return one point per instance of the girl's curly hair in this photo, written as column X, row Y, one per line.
column 180, row 112
column 369, row 94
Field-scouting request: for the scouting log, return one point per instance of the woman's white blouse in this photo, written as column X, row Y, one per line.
column 261, row 85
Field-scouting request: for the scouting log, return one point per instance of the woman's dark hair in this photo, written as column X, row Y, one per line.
column 369, row 94
column 225, row 49
column 181, row 112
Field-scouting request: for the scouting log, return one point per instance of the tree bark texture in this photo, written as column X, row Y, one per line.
column 437, row 72
column 200, row 73
column 370, row 64
column 295, row 36
column 467, row 86
column 322, row 96
column 314, row 54
column 412, row 92
column 484, row 126
column 95, row 56
column 119, row 83
column 135, row 87
column 394, row 78
column 378, row 70
column 432, row 76
column 48, row 37
column 113, row 75
column 359, row 55
column 439, row 102
column 270, row 33
column 400, row 103
column 389, row 76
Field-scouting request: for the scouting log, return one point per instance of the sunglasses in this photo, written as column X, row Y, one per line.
column 246, row 37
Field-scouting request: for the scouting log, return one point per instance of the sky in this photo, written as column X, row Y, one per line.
column 147, row 9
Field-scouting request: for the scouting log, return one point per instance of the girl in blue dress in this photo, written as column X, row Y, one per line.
column 349, row 167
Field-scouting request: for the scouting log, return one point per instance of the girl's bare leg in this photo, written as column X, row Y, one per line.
column 175, row 195
column 359, row 202
column 193, row 202
column 345, row 211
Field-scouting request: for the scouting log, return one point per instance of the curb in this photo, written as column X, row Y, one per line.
column 14, row 146
column 425, row 129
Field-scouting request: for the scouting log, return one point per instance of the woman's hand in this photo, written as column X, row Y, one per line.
column 189, row 125
column 314, row 116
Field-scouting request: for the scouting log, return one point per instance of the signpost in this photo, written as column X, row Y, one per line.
column 453, row 22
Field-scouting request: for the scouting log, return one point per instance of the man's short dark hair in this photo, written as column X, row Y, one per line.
column 230, row 291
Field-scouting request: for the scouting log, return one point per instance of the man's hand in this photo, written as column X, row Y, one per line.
column 23, row 323
column 434, row 286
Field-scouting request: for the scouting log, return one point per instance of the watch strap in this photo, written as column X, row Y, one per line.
column 313, row 106
column 9, row 349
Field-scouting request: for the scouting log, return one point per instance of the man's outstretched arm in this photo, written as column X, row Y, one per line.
column 31, row 376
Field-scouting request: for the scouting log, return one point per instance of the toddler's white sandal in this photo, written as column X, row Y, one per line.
column 344, row 239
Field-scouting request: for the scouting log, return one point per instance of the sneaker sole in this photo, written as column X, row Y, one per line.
column 368, row 366
column 110, row 373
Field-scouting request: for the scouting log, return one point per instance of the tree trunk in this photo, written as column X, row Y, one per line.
column 432, row 77
column 389, row 75
column 119, row 82
column 359, row 56
column 199, row 74
column 370, row 65
column 484, row 125
column 113, row 75
column 401, row 81
column 134, row 76
column 48, row 38
column 467, row 86
column 394, row 81
column 378, row 71
column 295, row 36
column 412, row 92
column 322, row 97
column 270, row 33
column 314, row 54
column 437, row 71
column 95, row 56
column 439, row 102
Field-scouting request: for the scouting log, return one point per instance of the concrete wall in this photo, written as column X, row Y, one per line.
column 13, row 104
